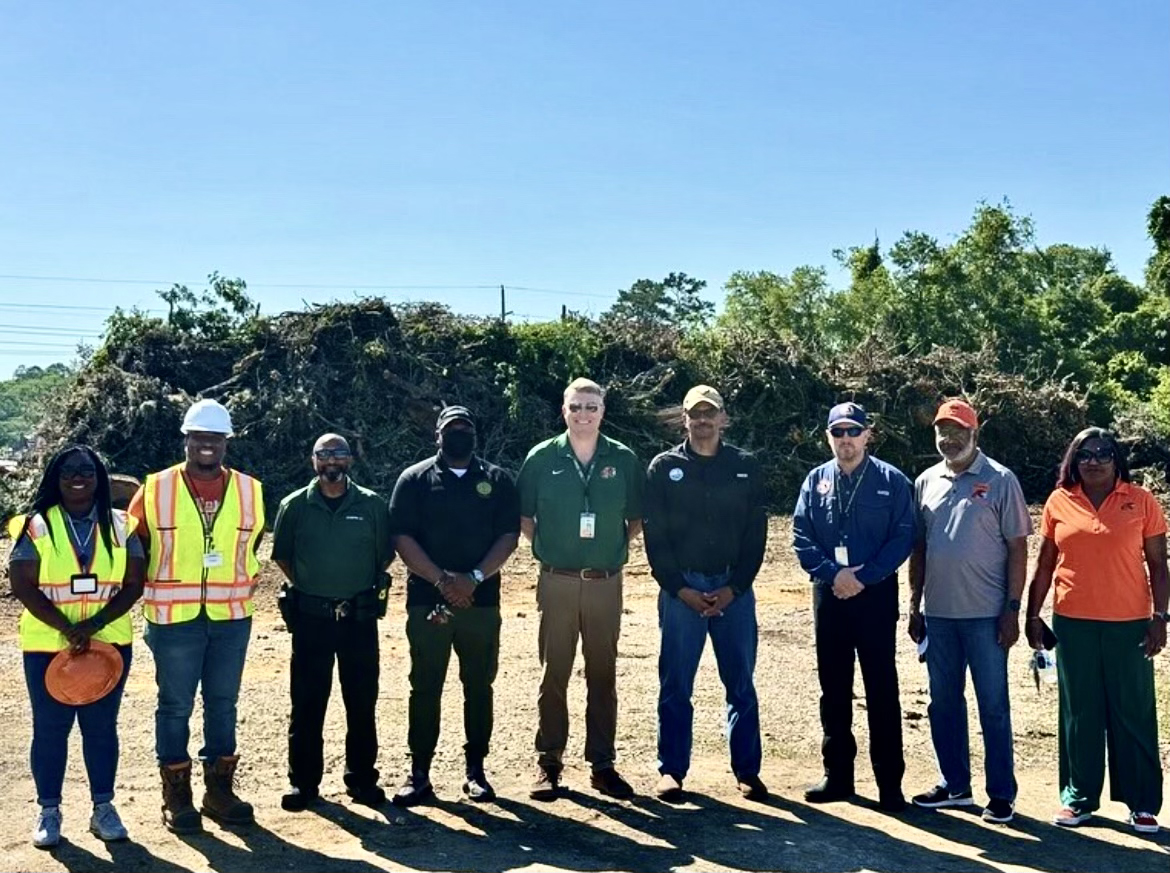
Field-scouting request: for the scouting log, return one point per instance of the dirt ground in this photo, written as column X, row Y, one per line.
column 716, row 829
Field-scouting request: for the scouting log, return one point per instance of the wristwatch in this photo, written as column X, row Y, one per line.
column 1165, row 616
column 1013, row 605
column 476, row 575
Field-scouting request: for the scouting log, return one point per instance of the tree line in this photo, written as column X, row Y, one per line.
column 1042, row 341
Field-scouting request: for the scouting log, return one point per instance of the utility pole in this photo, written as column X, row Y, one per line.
column 503, row 305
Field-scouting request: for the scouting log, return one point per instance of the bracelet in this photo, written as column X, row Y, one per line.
column 443, row 579
column 1034, row 618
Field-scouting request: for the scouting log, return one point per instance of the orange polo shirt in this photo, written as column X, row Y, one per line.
column 1101, row 565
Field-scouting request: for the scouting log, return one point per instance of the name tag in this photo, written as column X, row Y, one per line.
column 85, row 583
column 841, row 555
column 212, row 559
column 588, row 525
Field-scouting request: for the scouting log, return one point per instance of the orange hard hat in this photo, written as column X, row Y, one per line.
column 78, row 679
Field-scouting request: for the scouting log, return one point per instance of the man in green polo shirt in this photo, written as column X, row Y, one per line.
column 580, row 504
column 332, row 541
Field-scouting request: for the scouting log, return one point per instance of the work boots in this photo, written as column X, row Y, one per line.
column 219, row 800
column 179, row 813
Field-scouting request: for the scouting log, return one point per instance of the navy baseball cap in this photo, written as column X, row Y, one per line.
column 848, row 413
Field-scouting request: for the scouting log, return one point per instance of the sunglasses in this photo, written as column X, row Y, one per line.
column 706, row 414
column 74, row 471
column 851, row 432
column 1101, row 456
column 326, row 454
column 588, row 407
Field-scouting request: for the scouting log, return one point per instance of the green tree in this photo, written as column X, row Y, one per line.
column 24, row 399
column 675, row 302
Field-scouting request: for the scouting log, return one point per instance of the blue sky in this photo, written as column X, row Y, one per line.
column 433, row 149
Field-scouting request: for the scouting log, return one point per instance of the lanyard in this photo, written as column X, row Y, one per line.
column 843, row 512
column 585, row 474
column 81, row 546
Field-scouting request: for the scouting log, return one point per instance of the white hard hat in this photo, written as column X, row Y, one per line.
column 209, row 416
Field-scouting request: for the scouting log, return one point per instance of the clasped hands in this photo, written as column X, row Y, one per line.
column 845, row 584
column 709, row 604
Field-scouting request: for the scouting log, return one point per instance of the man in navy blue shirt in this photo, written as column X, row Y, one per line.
column 852, row 528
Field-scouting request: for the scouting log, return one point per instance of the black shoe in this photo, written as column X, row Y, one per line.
column 477, row 788
column 610, row 783
column 752, row 788
column 547, row 785
column 940, row 797
column 892, row 800
column 669, row 788
column 367, row 795
column 829, row 791
column 415, row 790
column 299, row 799
column 998, row 811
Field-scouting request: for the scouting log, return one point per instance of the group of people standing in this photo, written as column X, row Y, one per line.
column 187, row 546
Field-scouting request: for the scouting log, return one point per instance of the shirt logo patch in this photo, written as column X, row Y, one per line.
column 883, row 493
column 741, row 475
column 484, row 488
column 558, row 472
column 608, row 472
column 355, row 518
column 980, row 489
column 824, row 486
column 676, row 474
column 1128, row 506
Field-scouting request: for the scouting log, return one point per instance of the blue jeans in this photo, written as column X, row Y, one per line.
column 954, row 645
column 52, row 724
column 734, row 639
column 186, row 655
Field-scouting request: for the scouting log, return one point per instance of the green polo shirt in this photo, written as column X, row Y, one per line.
column 333, row 552
column 554, row 492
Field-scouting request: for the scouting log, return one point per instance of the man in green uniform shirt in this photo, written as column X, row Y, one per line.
column 332, row 541
column 580, row 504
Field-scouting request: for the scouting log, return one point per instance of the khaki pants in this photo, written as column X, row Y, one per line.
column 591, row 609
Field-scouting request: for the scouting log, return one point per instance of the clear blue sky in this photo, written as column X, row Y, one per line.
column 571, row 147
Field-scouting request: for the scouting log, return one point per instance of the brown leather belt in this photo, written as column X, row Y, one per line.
column 586, row 573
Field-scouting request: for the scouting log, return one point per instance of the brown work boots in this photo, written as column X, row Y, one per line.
column 219, row 799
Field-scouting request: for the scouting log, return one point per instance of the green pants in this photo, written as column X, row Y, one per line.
column 1107, row 707
column 474, row 634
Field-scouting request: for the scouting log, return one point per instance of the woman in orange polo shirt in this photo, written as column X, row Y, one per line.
column 1104, row 542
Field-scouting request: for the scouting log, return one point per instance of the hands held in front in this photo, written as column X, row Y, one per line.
column 845, row 584
column 458, row 589
column 78, row 636
column 709, row 604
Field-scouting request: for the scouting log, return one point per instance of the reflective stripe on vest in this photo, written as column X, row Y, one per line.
column 58, row 561
column 178, row 585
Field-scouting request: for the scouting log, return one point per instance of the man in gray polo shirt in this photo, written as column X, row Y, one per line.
column 969, row 561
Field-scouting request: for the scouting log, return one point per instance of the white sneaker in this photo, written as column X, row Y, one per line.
column 47, row 832
column 105, row 823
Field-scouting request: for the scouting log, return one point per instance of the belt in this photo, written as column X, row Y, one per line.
column 335, row 608
column 586, row 573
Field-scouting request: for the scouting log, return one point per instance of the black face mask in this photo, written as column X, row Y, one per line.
column 457, row 444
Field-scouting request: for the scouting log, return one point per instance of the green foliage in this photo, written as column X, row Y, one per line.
column 676, row 302
column 25, row 398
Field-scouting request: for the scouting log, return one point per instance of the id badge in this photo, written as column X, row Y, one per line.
column 841, row 555
column 212, row 559
column 588, row 525
column 84, row 583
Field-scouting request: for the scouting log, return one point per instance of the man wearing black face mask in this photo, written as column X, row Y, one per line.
column 333, row 543
column 455, row 519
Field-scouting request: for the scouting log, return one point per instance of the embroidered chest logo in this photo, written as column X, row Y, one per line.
column 1128, row 506
column 980, row 490
column 608, row 472
column 676, row 474
column 484, row 488
column 824, row 486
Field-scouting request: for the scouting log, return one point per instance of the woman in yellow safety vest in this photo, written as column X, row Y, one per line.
column 77, row 569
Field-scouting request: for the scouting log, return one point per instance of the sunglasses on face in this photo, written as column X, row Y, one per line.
column 75, row 471
column 588, row 407
column 1101, row 456
column 326, row 454
column 707, row 414
column 851, row 432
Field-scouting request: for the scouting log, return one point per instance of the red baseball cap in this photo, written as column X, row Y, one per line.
column 958, row 411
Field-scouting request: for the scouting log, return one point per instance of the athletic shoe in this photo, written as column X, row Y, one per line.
column 941, row 797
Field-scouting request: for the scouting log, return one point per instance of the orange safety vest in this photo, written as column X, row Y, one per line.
column 190, row 570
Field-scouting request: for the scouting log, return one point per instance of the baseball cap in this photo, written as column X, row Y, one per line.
column 702, row 394
column 848, row 413
column 958, row 411
column 454, row 413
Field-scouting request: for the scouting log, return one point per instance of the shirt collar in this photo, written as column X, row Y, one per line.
column 474, row 466
column 315, row 495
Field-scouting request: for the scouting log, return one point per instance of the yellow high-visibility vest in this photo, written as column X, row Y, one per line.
column 59, row 562
column 189, row 572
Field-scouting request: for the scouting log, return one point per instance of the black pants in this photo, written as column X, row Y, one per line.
column 315, row 644
column 865, row 625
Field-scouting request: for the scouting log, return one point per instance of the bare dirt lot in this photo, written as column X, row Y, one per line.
column 584, row 831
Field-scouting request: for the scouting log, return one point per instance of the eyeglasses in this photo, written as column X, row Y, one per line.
column 326, row 454
column 74, row 471
column 588, row 407
column 851, row 432
column 1102, row 455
